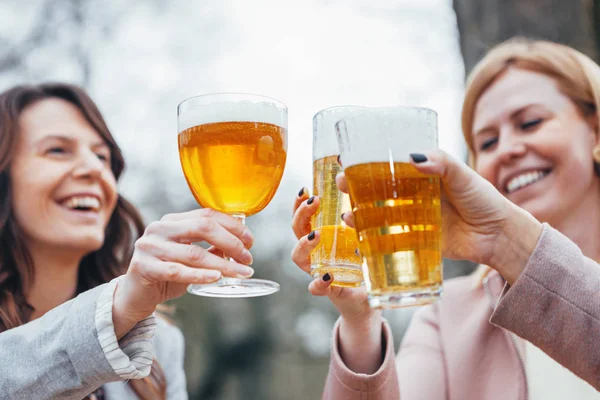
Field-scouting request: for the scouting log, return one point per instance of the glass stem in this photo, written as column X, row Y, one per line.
column 242, row 218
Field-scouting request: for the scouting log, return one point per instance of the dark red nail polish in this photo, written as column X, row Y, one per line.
column 342, row 216
column 310, row 201
column 326, row 277
column 339, row 160
column 311, row 235
column 301, row 192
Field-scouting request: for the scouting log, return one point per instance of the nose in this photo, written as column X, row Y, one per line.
column 510, row 147
column 89, row 166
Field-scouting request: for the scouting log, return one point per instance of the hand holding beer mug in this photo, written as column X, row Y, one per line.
column 233, row 150
column 336, row 251
column 397, row 209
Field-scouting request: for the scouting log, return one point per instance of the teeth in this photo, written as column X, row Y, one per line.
column 523, row 180
column 83, row 202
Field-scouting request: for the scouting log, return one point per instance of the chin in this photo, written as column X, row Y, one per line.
column 86, row 243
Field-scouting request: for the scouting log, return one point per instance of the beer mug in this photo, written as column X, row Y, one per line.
column 336, row 252
column 397, row 209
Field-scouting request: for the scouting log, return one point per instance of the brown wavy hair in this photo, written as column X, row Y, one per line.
column 124, row 227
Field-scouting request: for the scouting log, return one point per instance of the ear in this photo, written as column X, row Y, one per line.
column 594, row 124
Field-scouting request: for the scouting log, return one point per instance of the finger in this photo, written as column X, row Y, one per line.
column 341, row 182
column 303, row 194
column 202, row 229
column 158, row 271
column 302, row 250
column 455, row 175
column 301, row 222
column 216, row 252
column 321, row 286
column 192, row 256
column 348, row 218
column 228, row 222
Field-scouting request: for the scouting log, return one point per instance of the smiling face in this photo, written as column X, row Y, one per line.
column 63, row 190
column 535, row 145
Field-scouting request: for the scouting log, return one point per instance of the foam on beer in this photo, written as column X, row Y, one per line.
column 387, row 135
column 239, row 111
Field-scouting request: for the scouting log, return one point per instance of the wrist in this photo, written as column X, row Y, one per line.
column 123, row 317
column 360, row 343
column 363, row 321
column 515, row 244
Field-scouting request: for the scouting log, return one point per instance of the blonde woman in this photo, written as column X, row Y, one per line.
column 530, row 121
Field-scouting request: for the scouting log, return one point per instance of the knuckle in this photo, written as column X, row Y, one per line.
column 208, row 212
column 153, row 228
column 196, row 255
column 172, row 272
column 168, row 217
column 206, row 225
column 146, row 246
column 135, row 264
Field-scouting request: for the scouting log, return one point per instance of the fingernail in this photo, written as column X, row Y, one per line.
column 326, row 277
column 356, row 252
column 342, row 216
column 301, row 192
column 247, row 256
column 245, row 272
column 418, row 157
column 311, row 235
column 339, row 159
column 310, row 201
column 210, row 274
column 247, row 237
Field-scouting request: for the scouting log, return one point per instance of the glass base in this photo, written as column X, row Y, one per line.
column 406, row 299
column 344, row 275
column 235, row 288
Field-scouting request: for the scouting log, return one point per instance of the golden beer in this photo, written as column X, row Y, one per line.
column 233, row 167
column 336, row 251
column 397, row 212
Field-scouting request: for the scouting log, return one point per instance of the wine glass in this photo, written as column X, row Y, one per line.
column 233, row 149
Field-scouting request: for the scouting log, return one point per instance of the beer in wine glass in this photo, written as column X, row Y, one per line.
column 233, row 150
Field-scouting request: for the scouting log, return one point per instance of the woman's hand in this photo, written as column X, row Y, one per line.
column 479, row 223
column 165, row 261
column 351, row 302
column 360, row 326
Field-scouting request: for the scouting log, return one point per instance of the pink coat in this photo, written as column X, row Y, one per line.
column 461, row 348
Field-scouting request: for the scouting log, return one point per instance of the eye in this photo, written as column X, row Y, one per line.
column 529, row 125
column 102, row 156
column 488, row 144
column 56, row 150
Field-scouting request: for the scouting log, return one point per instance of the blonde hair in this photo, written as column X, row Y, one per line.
column 577, row 76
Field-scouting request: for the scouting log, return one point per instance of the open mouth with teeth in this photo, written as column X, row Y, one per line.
column 82, row 203
column 525, row 179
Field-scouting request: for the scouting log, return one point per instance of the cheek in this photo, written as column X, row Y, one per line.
column 110, row 190
column 484, row 167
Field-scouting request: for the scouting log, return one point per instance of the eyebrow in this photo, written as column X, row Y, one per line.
column 66, row 138
column 513, row 115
